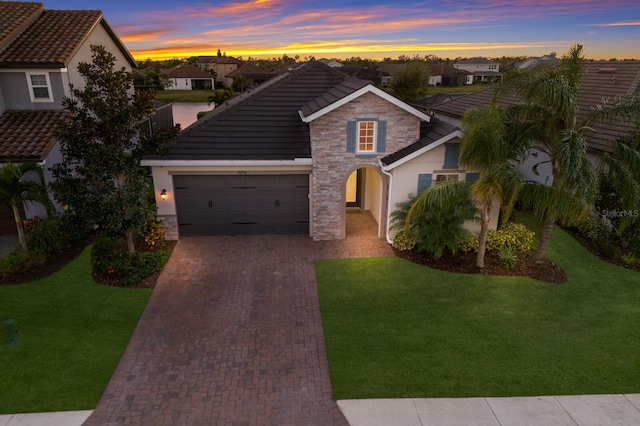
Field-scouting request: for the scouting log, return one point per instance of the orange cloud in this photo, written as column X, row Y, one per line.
column 620, row 24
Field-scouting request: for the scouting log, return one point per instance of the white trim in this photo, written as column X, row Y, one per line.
column 374, row 144
column 366, row 89
column 239, row 163
column 31, row 87
column 444, row 139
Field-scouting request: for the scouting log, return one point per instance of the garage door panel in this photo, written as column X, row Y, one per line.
column 242, row 205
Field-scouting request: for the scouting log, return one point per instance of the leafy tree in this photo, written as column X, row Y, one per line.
column 15, row 190
column 551, row 105
column 437, row 215
column 102, row 142
column 411, row 84
column 489, row 147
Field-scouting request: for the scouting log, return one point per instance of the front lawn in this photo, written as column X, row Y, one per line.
column 183, row 95
column 72, row 335
column 397, row 329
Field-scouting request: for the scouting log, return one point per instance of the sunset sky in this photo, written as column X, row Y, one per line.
column 161, row 29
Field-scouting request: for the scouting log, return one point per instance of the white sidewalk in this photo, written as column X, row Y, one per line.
column 573, row 410
column 60, row 418
column 581, row 410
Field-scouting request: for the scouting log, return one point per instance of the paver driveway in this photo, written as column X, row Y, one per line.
column 231, row 335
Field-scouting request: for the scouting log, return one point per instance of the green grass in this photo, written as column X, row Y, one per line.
column 397, row 329
column 72, row 335
column 434, row 90
column 183, row 95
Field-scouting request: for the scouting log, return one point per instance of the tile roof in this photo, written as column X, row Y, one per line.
column 51, row 39
column 27, row 135
column 261, row 124
column 345, row 88
column 475, row 61
column 431, row 132
column 601, row 80
column 187, row 71
column 219, row 60
column 14, row 17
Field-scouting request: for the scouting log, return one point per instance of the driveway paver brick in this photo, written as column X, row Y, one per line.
column 232, row 335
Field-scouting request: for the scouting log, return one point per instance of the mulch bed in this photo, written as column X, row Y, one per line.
column 59, row 261
column 465, row 263
column 52, row 265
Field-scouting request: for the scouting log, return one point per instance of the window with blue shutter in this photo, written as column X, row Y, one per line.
column 450, row 156
column 382, row 136
column 351, row 136
column 472, row 177
column 424, row 181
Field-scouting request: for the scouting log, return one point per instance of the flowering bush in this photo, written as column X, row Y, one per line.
column 154, row 234
column 470, row 243
column 514, row 235
column 404, row 242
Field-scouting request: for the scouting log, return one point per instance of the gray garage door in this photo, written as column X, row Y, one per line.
column 242, row 205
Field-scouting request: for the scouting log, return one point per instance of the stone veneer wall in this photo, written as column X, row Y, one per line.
column 170, row 225
column 332, row 164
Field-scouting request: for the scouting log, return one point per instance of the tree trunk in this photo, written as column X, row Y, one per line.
column 19, row 227
column 482, row 238
column 129, row 237
column 545, row 236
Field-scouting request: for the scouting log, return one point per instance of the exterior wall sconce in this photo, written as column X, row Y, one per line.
column 163, row 194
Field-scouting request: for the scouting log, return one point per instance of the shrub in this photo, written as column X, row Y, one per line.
column 109, row 258
column 112, row 262
column 515, row 235
column 21, row 261
column 470, row 243
column 154, row 234
column 507, row 257
column 606, row 248
column 404, row 242
column 628, row 259
column 592, row 228
column 47, row 236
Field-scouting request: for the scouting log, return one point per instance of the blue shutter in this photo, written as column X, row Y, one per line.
column 381, row 145
column 351, row 136
column 472, row 177
column 424, row 181
column 450, row 156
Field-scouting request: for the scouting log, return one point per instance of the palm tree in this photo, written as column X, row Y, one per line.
column 550, row 104
column 15, row 191
column 490, row 146
column 437, row 215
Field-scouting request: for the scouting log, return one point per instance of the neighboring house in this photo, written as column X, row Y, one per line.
column 601, row 81
column 482, row 70
column 254, row 75
column 286, row 156
column 40, row 51
column 221, row 66
column 427, row 104
column 440, row 74
column 331, row 62
column 364, row 73
column 535, row 61
column 187, row 77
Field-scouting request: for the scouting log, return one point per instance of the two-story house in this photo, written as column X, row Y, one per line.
column 481, row 69
column 40, row 50
column 221, row 65
column 297, row 153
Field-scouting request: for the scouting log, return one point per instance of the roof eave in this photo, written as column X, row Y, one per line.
column 356, row 94
column 455, row 134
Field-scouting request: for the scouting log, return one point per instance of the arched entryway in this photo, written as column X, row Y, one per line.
column 365, row 203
